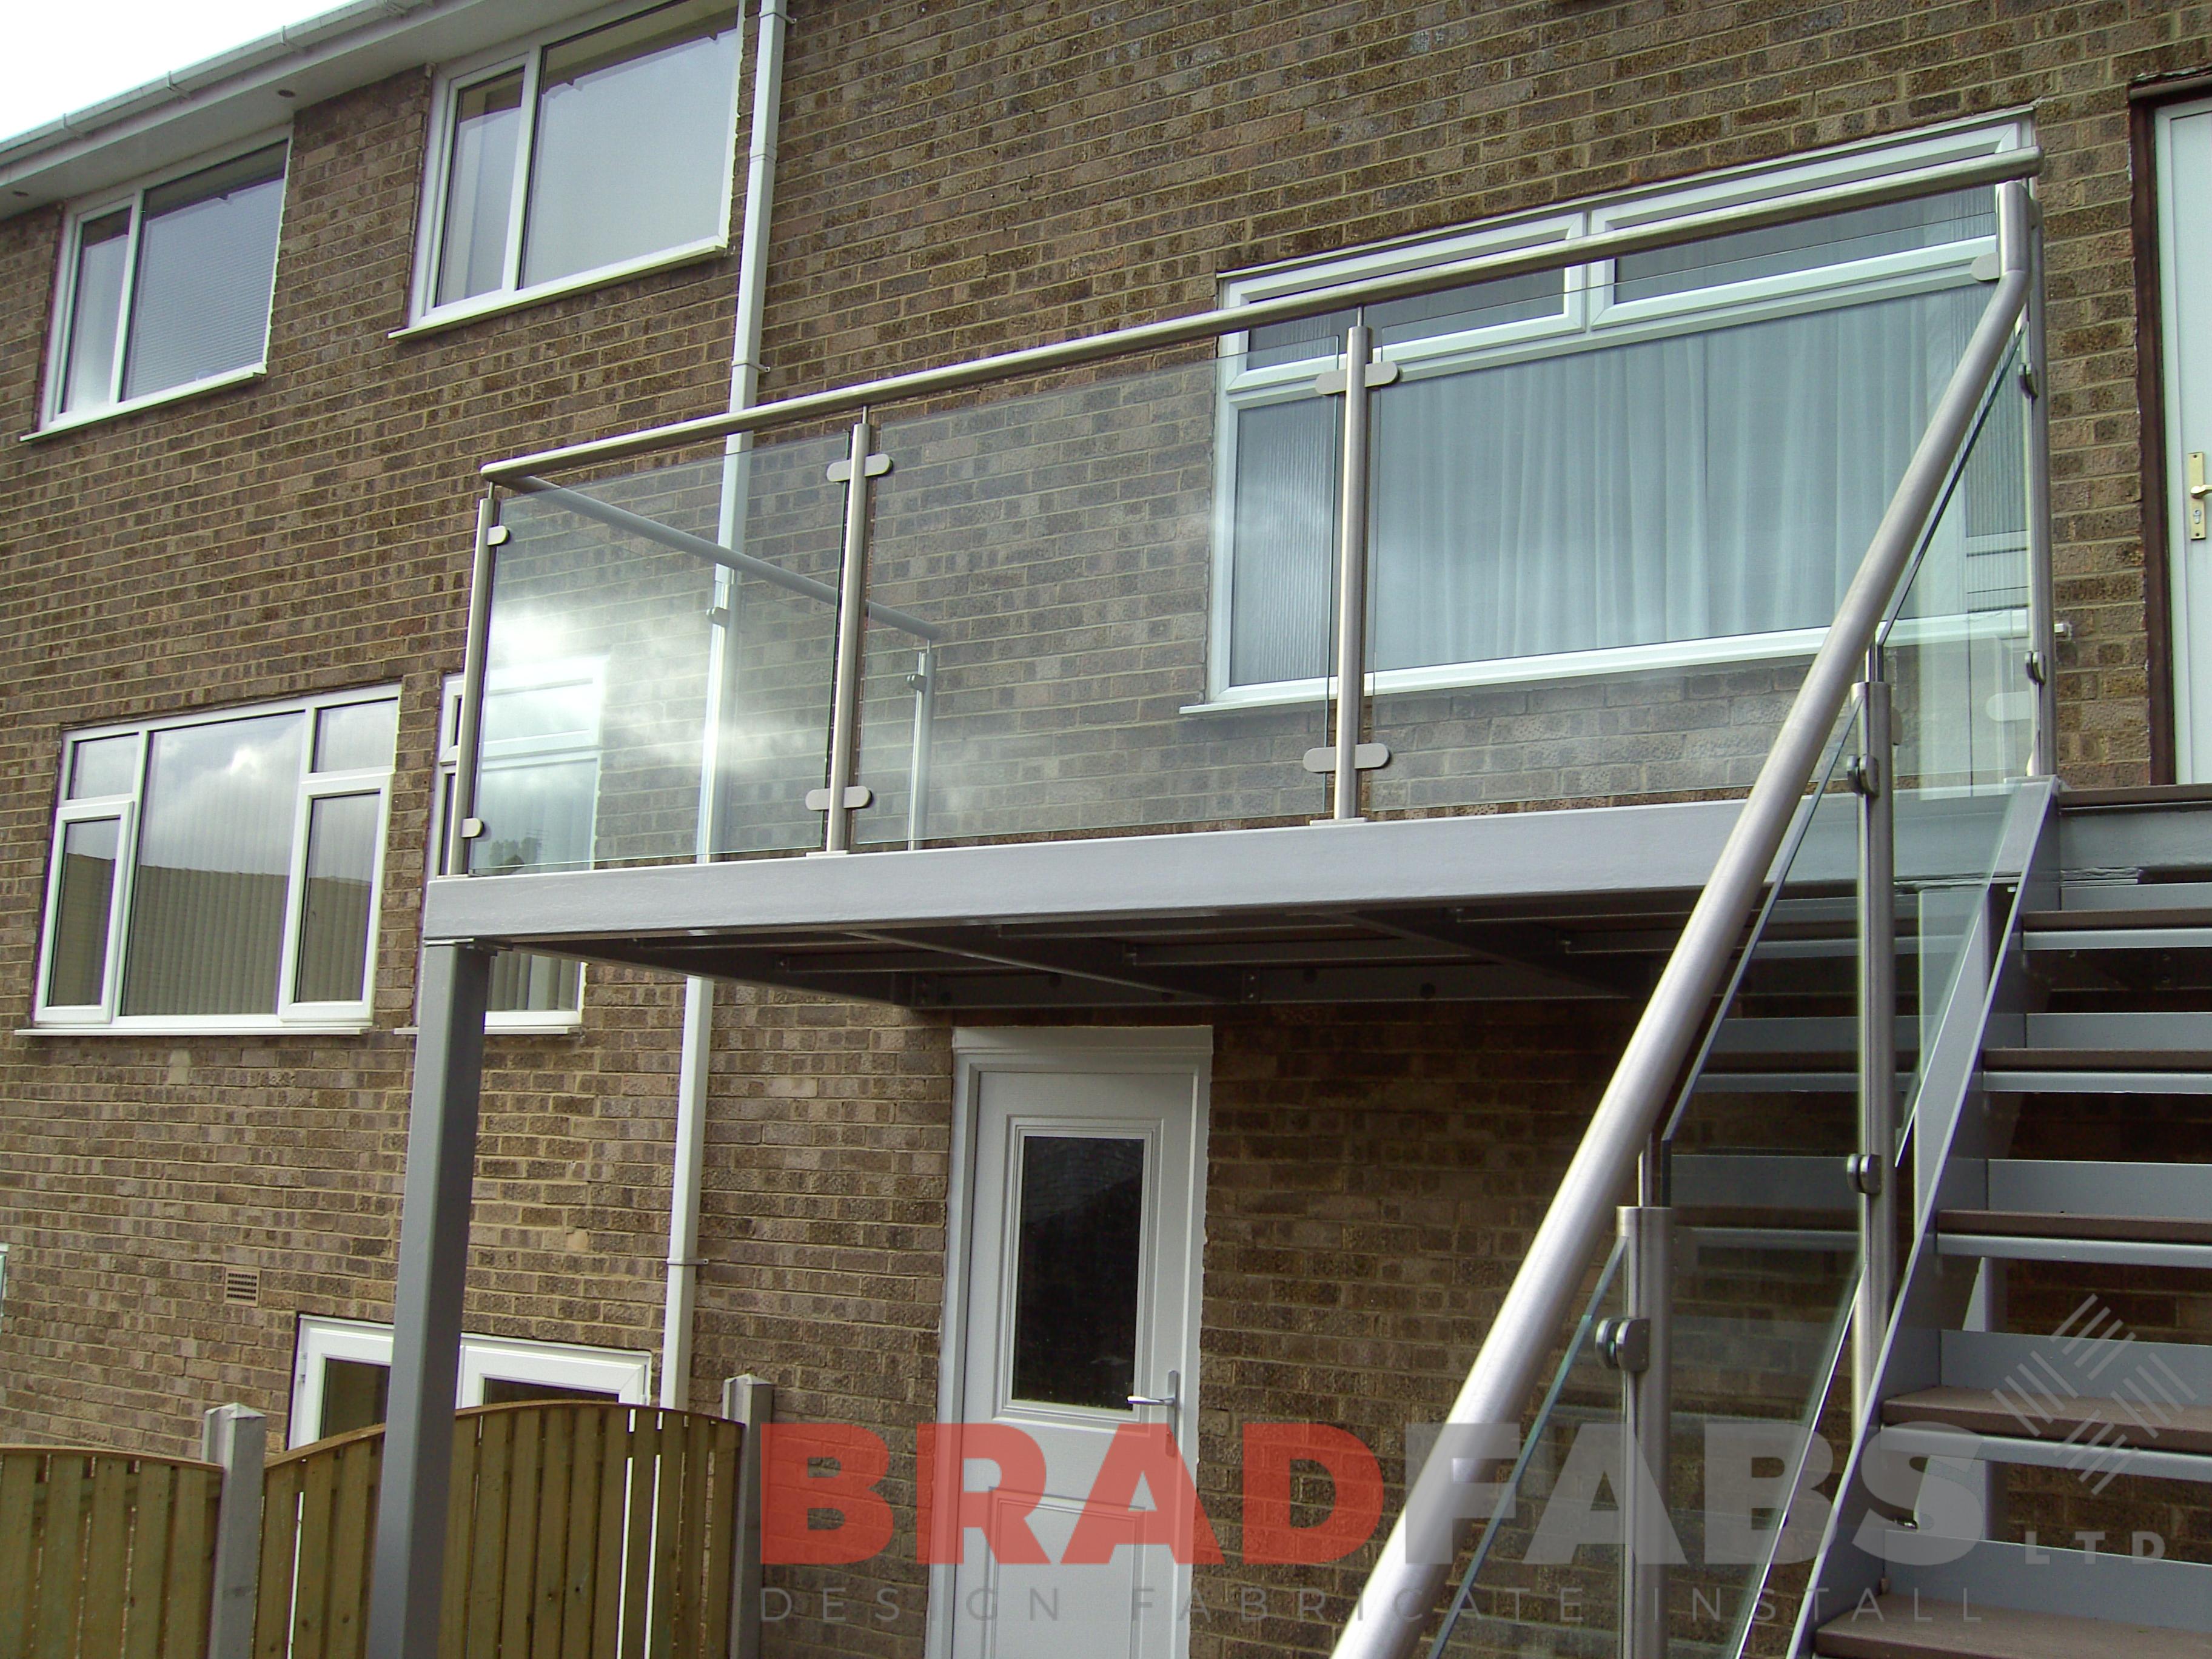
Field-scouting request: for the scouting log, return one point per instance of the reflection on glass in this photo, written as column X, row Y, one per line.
column 480, row 187
column 215, row 849
column 77, row 972
column 95, row 311
column 537, row 816
column 1280, row 602
column 524, row 982
column 1079, row 1270
column 354, row 1392
column 355, row 736
column 512, row 1391
column 1807, row 245
column 207, row 254
column 334, row 912
column 1425, row 317
column 632, row 145
column 103, row 766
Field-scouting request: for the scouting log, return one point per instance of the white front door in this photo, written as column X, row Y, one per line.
column 1073, row 1285
column 2184, row 195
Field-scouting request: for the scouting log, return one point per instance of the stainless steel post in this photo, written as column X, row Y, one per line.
column 426, row 1321
column 1351, row 575
column 852, row 635
column 1875, row 1169
column 461, row 825
column 2042, row 622
column 1647, row 1420
column 924, row 685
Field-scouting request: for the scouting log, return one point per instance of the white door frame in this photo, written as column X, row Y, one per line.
column 2190, row 658
column 1176, row 1050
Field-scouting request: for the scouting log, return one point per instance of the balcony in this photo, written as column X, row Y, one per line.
column 1022, row 688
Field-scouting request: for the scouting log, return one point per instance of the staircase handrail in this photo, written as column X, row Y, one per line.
column 1401, row 1593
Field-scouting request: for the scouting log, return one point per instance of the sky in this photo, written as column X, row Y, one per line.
column 64, row 54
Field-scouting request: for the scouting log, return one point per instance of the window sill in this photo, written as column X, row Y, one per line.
column 463, row 311
column 569, row 1027
column 1508, row 671
column 157, row 1027
column 174, row 394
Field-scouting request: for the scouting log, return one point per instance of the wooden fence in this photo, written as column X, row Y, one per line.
column 577, row 1529
column 105, row 1553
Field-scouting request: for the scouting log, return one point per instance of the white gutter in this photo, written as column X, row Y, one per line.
column 695, row 1069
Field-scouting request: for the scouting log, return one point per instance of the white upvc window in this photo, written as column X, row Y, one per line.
column 220, row 871
column 571, row 160
column 342, row 1373
column 163, row 287
column 537, row 792
column 1674, row 458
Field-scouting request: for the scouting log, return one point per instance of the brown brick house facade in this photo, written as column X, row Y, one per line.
column 955, row 178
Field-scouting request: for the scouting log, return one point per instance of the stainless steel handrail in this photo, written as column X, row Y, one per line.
column 1401, row 1593
column 2006, row 166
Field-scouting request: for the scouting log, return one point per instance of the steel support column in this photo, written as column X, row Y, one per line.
column 426, row 1339
column 1875, row 1169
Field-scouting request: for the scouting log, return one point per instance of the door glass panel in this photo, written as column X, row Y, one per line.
column 335, row 913
column 516, row 1391
column 77, row 971
column 1079, row 1270
column 355, row 1394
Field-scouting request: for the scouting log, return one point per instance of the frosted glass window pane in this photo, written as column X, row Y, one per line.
column 214, row 851
column 1079, row 1271
column 96, row 309
column 1927, row 222
column 632, row 149
column 480, row 187
column 334, row 913
column 207, row 254
column 103, row 766
column 77, row 972
column 1281, row 604
column 355, row 736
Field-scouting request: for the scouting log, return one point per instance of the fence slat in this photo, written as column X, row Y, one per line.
column 280, row 1539
column 191, row 1561
column 668, row 1597
column 615, row 1452
column 19, row 1491
column 722, row 1540
column 549, row 1577
column 521, row 1537
column 487, row 1548
column 460, row 1535
column 581, row 1551
column 311, row 1592
column 150, row 1561
column 108, row 1536
column 61, row 1555
column 353, row 1507
column 687, row 1564
column 637, row 1559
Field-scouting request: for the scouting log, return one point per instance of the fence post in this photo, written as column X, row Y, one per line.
column 750, row 1400
column 237, row 1437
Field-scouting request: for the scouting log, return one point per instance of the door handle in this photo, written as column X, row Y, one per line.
column 2198, row 489
column 1172, row 1398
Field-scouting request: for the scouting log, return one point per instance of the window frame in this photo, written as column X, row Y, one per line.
column 289, row 1014
column 1589, row 320
column 627, row 1373
column 424, row 313
column 63, row 311
column 555, row 749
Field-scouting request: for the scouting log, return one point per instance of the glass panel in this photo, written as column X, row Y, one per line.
column 1079, row 1268
column 1956, row 657
column 103, row 766
column 537, row 816
column 76, row 971
column 215, row 854
column 207, row 253
column 1281, row 597
column 1630, row 551
column 480, row 187
column 96, row 311
column 1426, row 317
column 896, row 705
column 524, row 982
column 335, row 912
column 1063, row 544
column 355, row 1393
column 632, row 153
column 355, row 736
column 1926, row 222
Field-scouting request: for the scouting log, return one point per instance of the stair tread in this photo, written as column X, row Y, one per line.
column 2162, row 1427
column 1937, row 1628
column 2060, row 1224
column 2097, row 1060
column 2115, row 919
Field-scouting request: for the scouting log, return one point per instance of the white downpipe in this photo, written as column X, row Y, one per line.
column 696, row 1066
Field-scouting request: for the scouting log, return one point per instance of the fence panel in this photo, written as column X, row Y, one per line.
column 576, row 1530
column 105, row 1553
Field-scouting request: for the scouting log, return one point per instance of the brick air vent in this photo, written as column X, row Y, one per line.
column 242, row 1286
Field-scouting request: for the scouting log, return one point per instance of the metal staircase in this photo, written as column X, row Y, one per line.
column 2007, row 1502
